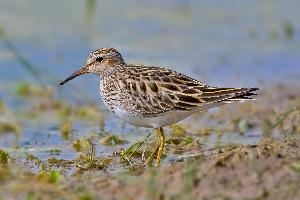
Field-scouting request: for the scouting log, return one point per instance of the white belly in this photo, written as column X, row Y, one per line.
column 161, row 120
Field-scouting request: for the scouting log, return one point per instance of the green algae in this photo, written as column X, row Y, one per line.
column 23, row 89
column 66, row 129
column 112, row 139
column 86, row 163
column 55, row 151
column 83, row 144
column 188, row 178
column 65, row 111
column 243, row 126
column 54, row 177
column 8, row 122
column 87, row 112
column 180, row 140
column 6, row 127
column 33, row 159
column 4, row 157
column 177, row 130
column 60, row 163
column 205, row 131
column 85, row 196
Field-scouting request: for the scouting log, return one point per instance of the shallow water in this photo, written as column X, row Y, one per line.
column 249, row 44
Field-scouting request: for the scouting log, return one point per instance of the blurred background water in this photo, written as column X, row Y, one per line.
column 250, row 43
column 222, row 43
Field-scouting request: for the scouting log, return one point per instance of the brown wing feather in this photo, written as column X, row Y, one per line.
column 160, row 90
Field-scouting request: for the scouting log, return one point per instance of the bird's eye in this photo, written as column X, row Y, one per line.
column 99, row 59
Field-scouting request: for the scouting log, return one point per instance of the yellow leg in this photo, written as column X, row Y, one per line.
column 161, row 138
column 159, row 149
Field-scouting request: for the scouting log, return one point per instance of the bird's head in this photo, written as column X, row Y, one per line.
column 101, row 62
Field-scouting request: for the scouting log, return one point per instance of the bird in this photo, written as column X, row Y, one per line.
column 153, row 97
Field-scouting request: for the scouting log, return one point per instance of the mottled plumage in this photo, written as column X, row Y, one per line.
column 153, row 97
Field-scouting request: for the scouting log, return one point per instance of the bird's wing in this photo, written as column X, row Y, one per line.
column 158, row 90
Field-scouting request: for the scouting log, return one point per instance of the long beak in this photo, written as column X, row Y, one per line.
column 83, row 70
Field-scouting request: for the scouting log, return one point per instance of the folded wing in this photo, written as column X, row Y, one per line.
column 158, row 90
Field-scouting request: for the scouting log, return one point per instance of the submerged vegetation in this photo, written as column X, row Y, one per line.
column 268, row 165
column 194, row 169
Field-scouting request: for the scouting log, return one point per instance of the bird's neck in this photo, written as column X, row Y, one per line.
column 112, row 71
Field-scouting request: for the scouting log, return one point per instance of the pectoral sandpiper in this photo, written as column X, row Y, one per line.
column 153, row 97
